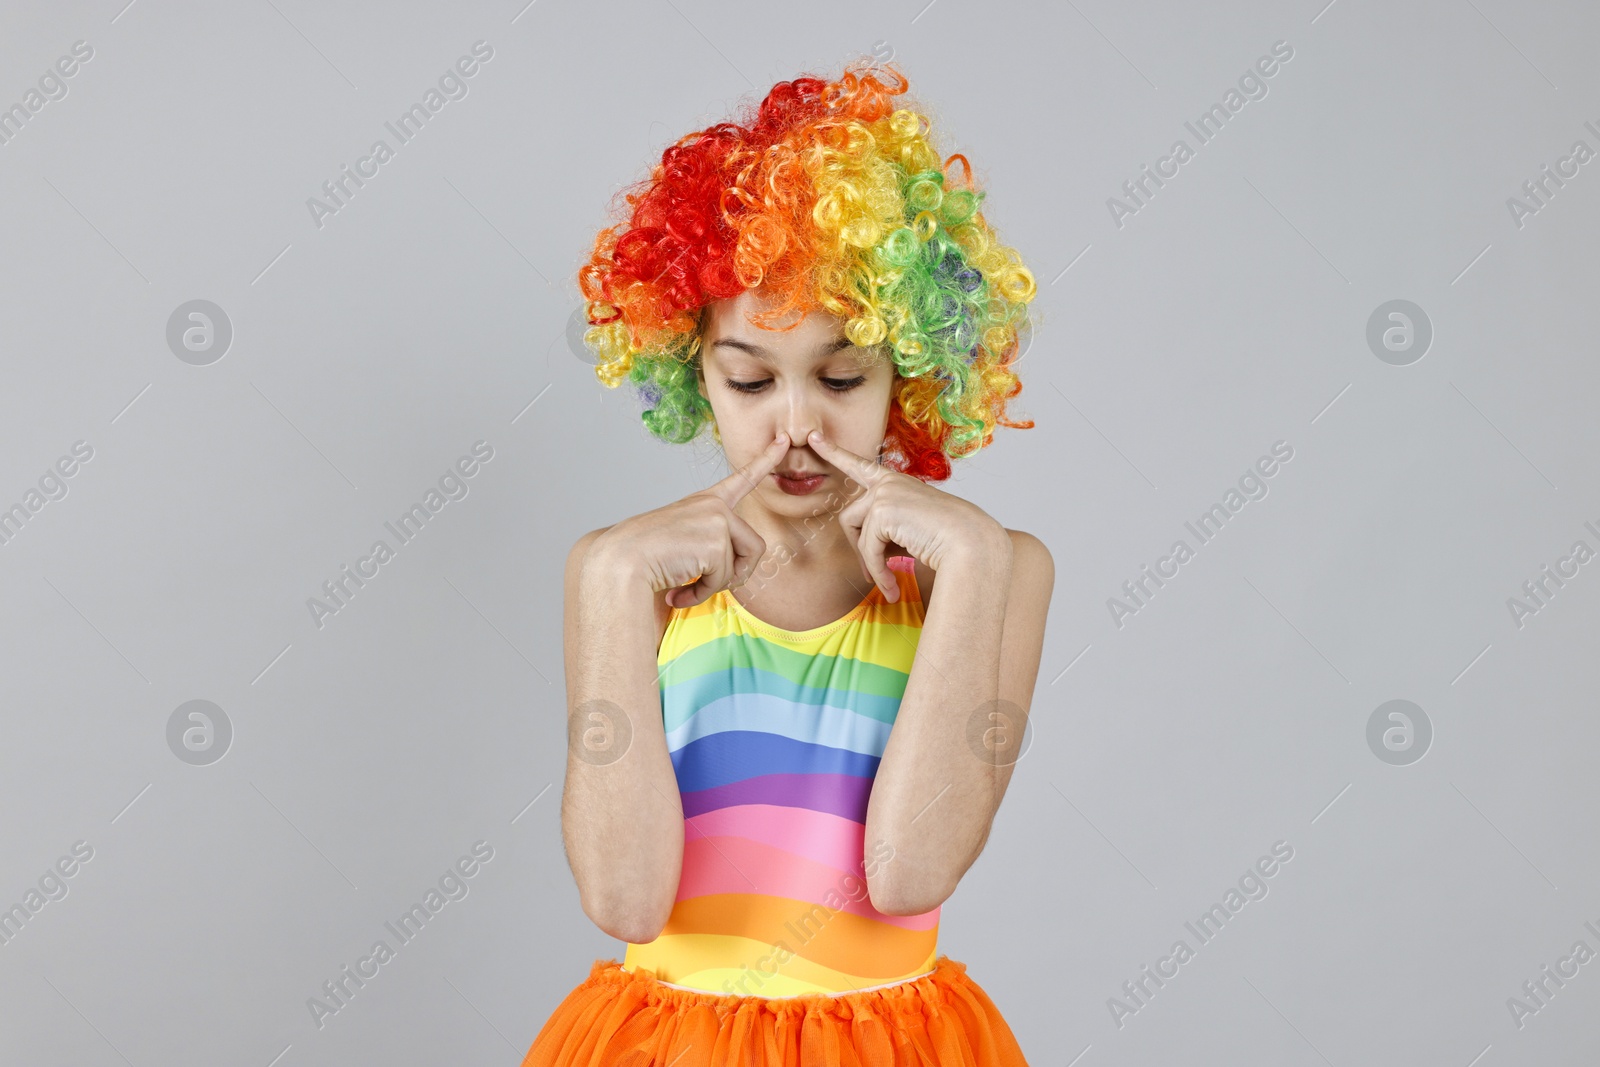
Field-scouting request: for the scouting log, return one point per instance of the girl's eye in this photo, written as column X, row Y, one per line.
column 837, row 385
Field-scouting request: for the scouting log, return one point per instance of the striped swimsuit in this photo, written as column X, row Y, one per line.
column 775, row 737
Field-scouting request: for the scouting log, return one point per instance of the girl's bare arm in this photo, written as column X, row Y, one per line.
column 620, row 819
column 958, row 733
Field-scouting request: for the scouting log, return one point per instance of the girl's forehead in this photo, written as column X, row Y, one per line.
column 801, row 354
column 726, row 333
column 805, row 342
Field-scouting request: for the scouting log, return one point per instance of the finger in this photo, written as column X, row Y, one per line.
column 748, row 548
column 733, row 488
column 850, row 520
column 863, row 470
column 743, row 553
column 710, row 581
column 870, row 546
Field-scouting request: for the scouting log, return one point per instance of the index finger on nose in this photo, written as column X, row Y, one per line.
column 733, row 488
column 860, row 468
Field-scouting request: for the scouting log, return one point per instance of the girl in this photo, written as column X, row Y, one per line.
column 818, row 286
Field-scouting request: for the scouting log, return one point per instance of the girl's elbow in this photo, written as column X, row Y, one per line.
column 628, row 911
column 624, row 920
column 900, row 899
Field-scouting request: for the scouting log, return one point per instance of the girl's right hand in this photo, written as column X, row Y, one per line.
column 698, row 539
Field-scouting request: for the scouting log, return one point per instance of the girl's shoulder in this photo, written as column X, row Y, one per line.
column 1030, row 562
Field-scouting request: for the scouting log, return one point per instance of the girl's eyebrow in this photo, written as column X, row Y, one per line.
column 762, row 354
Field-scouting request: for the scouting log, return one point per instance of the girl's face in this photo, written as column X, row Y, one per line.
column 809, row 378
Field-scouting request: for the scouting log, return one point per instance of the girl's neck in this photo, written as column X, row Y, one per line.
column 813, row 544
column 809, row 576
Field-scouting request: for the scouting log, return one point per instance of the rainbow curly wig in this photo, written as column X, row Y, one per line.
column 827, row 196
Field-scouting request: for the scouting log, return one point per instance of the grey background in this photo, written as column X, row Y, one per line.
column 1169, row 754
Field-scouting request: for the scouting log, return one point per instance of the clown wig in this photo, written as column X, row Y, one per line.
column 826, row 196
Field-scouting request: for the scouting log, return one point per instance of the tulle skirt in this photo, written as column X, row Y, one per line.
column 618, row 1018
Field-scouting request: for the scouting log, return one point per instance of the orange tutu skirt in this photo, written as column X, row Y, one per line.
column 618, row 1018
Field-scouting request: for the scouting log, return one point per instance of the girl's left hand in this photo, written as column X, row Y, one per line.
column 898, row 515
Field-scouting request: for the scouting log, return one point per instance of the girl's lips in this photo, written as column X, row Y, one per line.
column 799, row 486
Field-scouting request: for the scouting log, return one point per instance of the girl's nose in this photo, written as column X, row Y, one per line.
column 799, row 432
column 801, row 420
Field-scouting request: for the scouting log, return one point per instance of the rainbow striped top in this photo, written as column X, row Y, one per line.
column 775, row 737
